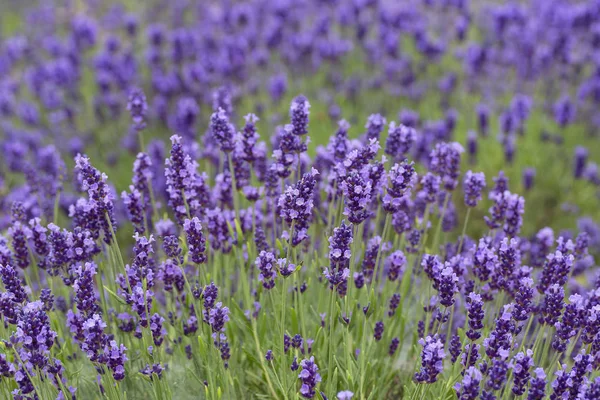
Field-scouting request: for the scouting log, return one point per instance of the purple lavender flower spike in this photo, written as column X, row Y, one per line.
column 497, row 374
column 395, row 263
column 100, row 195
column 475, row 316
column 572, row 321
column 431, row 187
column 393, row 346
column 528, row 178
column 537, row 385
column 309, row 377
column 137, row 107
column 447, row 283
column 468, row 389
column 249, row 138
column 195, row 239
column 454, row 348
column 375, row 125
column 296, row 204
column 473, row 185
column 579, row 161
column 445, row 161
column 399, row 141
column 432, row 358
column 222, row 130
column 552, row 305
column 135, row 208
column 339, row 258
column 357, row 192
column 12, row 283
column 20, row 235
column 521, row 364
column 378, row 330
column 266, row 264
column 515, row 207
column 299, row 112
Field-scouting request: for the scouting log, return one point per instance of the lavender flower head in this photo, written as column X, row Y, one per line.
column 195, row 239
column 299, row 112
column 357, row 193
column 222, row 130
column 296, row 203
column 339, row 257
column 432, row 358
column 266, row 264
column 101, row 198
column 137, row 107
column 445, row 161
column 309, row 377
column 473, row 185
column 375, row 125
column 468, row 389
column 399, row 141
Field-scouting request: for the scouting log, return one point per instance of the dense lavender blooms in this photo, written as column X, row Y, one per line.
column 468, row 389
column 402, row 179
column 379, row 326
column 515, row 206
column 521, row 364
column 395, row 265
column 572, row 320
column 537, row 386
column 85, row 295
column 399, row 141
column 339, row 258
column 297, row 202
column 431, row 187
column 473, row 184
column 432, row 357
column 447, row 286
column 556, row 270
column 552, row 305
column 357, row 193
column 12, row 283
column 266, row 264
column 454, row 348
column 195, row 240
column 222, row 130
column 475, row 316
column 249, row 138
column 186, row 189
column 310, row 378
column 137, row 107
column 299, row 111
column 499, row 340
column 101, row 199
column 497, row 374
column 76, row 288
column 374, row 247
column 375, row 125
column 445, row 161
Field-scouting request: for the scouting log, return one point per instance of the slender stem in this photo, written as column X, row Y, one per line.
column 462, row 236
column 330, row 346
column 233, row 187
column 441, row 220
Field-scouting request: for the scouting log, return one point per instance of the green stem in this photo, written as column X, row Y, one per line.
column 462, row 236
column 330, row 346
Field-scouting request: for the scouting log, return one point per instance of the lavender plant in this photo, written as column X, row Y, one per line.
column 273, row 244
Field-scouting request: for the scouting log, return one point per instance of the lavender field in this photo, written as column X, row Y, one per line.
column 310, row 199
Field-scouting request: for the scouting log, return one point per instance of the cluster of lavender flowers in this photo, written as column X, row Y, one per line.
column 377, row 266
